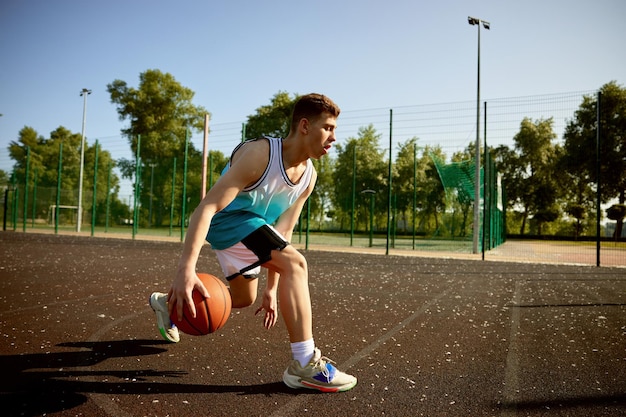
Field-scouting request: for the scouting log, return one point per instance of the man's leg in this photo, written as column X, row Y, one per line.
column 293, row 292
column 243, row 291
column 295, row 305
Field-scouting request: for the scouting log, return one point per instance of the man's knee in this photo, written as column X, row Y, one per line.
column 243, row 291
column 241, row 300
column 290, row 263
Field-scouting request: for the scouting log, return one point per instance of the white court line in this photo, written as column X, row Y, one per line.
column 103, row 401
column 292, row 405
column 511, row 372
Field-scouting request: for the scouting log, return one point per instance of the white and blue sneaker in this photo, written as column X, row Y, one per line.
column 319, row 374
column 168, row 330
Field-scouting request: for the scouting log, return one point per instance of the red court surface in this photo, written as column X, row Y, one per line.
column 425, row 337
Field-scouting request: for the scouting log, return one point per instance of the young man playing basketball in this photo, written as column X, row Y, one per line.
column 266, row 182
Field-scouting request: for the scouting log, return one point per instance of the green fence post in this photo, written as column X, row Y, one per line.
column 137, row 171
column 58, row 202
column 414, row 189
column 94, row 199
column 108, row 200
column 34, row 199
column 486, row 208
column 308, row 222
column 15, row 203
column 598, row 182
column 173, row 195
column 389, row 192
column 25, row 219
column 352, row 213
column 184, row 205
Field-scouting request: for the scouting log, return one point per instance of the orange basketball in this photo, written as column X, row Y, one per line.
column 211, row 313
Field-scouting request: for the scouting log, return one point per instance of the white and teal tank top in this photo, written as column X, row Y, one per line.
column 261, row 203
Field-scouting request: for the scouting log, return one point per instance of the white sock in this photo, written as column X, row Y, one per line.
column 303, row 351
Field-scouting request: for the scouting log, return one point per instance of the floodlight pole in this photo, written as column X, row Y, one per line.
column 474, row 21
column 84, row 93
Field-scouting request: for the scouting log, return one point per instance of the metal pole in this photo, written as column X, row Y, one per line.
column 136, row 199
column 414, row 189
column 34, row 213
column 94, row 198
column 172, row 196
column 84, row 93
column 58, row 200
column 152, row 165
column 308, row 223
column 353, row 194
column 108, row 200
column 16, row 193
column 389, row 191
column 205, row 150
column 478, row 22
column 6, row 209
column 26, row 189
column 598, row 188
column 477, row 169
column 184, row 200
column 486, row 189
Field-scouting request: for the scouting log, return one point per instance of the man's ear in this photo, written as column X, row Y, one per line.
column 303, row 126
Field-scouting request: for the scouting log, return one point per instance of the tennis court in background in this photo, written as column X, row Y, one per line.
column 428, row 335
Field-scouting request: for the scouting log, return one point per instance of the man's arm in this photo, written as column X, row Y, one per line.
column 246, row 167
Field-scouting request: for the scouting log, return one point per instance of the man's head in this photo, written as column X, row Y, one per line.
column 311, row 107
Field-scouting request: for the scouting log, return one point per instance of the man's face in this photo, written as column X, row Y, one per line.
column 322, row 133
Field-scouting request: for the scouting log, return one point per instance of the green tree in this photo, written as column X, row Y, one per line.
column 405, row 170
column 161, row 111
column 321, row 197
column 581, row 140
column 578, row 199
column 272, row 119
column 44, row 162
column 532, row 180
column 431, row 195
column 371, row 174
column 27, row 138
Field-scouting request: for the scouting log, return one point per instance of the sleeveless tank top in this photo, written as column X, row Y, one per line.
column 261, row 203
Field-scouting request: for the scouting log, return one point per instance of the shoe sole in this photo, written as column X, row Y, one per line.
column 160, row 323
column 295, row 382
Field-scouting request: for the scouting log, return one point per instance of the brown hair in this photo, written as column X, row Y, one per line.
column 311, row 106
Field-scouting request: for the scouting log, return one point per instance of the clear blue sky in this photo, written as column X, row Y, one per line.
column 237, row 54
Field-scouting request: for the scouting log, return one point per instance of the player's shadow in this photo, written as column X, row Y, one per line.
column 44, row 383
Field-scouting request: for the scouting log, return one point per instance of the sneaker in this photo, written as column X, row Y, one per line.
column 319, row 374
column 169, row 331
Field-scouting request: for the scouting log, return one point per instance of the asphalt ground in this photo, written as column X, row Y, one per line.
column 424, row 336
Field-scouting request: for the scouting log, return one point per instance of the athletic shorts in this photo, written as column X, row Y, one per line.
column 246, row 257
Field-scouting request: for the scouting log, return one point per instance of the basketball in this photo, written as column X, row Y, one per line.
column 211, row 313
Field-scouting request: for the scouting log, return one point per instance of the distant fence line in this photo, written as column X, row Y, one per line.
column 449, row 125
